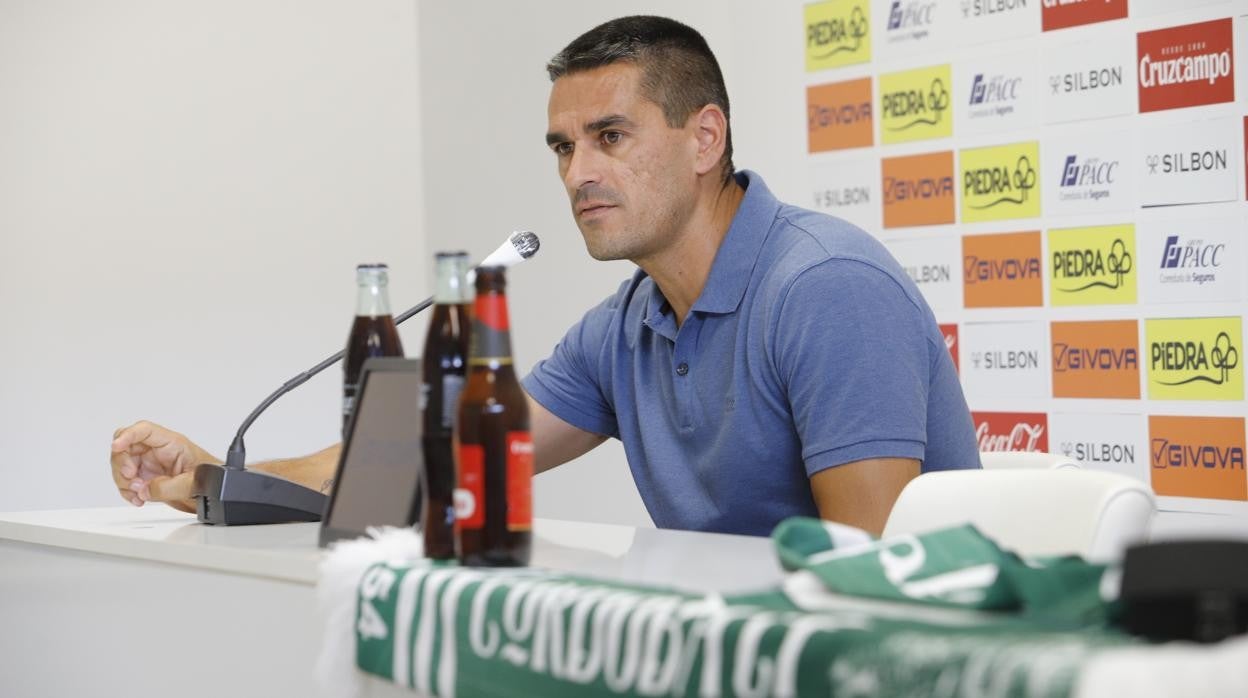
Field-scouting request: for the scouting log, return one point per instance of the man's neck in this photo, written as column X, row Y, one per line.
column 682, row 269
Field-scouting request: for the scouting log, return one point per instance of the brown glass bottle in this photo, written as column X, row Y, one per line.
column 372, row 334
column 443, row 365
column 494, row 456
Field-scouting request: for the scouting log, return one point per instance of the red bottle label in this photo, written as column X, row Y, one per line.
column 519, row 481
column 470, row 495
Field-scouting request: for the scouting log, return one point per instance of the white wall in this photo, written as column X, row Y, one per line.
column 185, row 188
column 487, row 169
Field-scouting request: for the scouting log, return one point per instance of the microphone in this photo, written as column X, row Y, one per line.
column 231, row 495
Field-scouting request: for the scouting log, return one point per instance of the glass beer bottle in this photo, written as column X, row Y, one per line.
column 493, row 500
column 372, row 334
column 443, row 366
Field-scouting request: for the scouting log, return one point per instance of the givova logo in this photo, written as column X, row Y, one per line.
column 916, row 104
column 1092, row 266
column 839, row 115
column 838, row 32
column 1198, row 457
column 1002, row 271
column 1096, row 359
column 1001, row 182
column 1195, row 359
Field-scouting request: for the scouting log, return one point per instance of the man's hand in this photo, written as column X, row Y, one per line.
column 152, row 463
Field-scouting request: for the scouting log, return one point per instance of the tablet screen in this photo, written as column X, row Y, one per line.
column 378, row 476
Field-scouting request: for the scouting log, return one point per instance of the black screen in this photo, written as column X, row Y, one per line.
column 379, row 471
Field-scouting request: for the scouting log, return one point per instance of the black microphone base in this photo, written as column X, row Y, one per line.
column 235, row 497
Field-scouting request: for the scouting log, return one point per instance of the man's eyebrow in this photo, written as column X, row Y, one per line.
column 605, row 122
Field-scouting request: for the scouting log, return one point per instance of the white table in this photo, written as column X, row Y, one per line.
column 148, row 602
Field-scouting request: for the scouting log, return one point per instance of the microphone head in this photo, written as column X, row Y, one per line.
column 525, row 242
column 521, row 245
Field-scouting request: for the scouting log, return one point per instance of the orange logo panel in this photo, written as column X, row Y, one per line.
column 1198, row 457
column 918, row 190
column 1002, row 271
column 1096, row 359
column 839, row 115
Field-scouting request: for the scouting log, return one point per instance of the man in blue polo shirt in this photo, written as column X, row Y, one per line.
column 763, row 362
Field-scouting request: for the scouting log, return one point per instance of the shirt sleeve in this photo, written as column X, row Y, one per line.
column 851, row 350
column 570, row 382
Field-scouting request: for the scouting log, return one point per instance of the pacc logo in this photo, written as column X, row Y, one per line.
column 1195, row 359
column 1002, row 271
column 1186, row 163
column 918, row 189
column 1198, row 457
column 985, row 8
column 1088, row 172
column 1186, row 66
column 1011, row 431
column 837, row 33
column 839, row 115
column 1086, row 80
column 1194, row 261
column 1000, row 182
column 1096, row 359
column 915, row 104
column 994, row 95
column 911, row 18
column 1059, row 14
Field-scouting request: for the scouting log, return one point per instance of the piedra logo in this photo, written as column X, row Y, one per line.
column 1092, row 266
column 1001, row 182
column 915, row 104
column 837, row 34
column 1195, row 359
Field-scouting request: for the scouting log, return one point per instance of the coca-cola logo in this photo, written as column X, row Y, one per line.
column 1004, row 431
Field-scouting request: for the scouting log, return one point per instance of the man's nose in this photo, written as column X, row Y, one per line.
column 583, row 168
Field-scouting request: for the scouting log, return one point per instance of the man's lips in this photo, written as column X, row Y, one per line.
column 590, row 209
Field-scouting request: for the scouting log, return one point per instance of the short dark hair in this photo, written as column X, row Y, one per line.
column 679, row 72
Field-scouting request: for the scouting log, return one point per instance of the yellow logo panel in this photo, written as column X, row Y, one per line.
column 916, row 104
column 838, row 32
column 1092, row 266
column 1195, row 359
column 1000, row 182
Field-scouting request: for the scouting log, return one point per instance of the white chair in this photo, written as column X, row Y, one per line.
column 1013, row 460
column 1032, row 512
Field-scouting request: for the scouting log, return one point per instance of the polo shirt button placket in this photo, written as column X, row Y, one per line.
column 682, row 369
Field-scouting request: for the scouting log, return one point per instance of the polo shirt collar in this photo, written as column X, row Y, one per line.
column 739, row 251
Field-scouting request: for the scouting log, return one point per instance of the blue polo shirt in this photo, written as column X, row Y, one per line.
column 809, row 348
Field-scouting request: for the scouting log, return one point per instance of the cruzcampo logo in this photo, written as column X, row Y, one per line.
column 838, row 33
column 1092, row 266
column 1195, row 359
column 916, row 104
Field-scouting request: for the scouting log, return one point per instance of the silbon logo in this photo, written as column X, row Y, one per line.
column 987, row 8
column 1096, row 453
column 1184, row 163
column 1012, row 360
column 1085, row 81
column 840, row 198
column 929, row 273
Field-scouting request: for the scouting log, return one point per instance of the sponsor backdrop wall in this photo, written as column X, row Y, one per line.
column 1064, row 181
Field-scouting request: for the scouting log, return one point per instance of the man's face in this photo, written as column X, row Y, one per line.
column 630, row 176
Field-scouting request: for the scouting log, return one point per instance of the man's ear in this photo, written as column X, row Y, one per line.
column 710, row 129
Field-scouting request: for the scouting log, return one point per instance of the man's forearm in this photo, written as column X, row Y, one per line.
column 315, row 471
